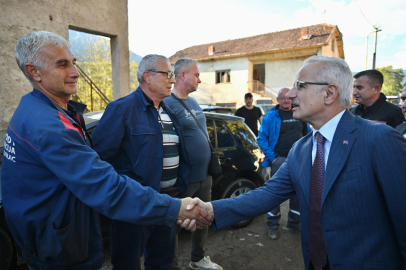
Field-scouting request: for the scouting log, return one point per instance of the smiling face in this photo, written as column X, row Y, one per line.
column 403, row 97
column 58, row 77
column 307, row 105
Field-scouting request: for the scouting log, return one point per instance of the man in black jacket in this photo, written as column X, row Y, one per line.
column 402, row 127
column 372, row 103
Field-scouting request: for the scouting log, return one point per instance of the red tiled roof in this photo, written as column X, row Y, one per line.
column 282, row 40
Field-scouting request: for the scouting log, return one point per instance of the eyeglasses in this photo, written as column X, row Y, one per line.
column 299, row 84
column 169, row 74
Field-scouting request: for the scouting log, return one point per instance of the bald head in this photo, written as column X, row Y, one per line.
column 284, row 103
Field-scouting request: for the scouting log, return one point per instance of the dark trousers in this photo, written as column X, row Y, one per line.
column 202, row 190
column 273, row 216
column 127, row 243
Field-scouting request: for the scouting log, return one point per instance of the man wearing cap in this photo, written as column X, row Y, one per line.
column 250, row 113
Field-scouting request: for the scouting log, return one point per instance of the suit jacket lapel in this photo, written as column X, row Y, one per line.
column 343, row 140
column 306, row 166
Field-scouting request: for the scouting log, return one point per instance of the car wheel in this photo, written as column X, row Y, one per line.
column 6, row 249
column 238, row 187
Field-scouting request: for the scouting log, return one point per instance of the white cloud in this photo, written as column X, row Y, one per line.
column 166, row 28
column 398, row 61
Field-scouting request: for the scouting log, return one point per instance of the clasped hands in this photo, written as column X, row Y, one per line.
column 195, row 214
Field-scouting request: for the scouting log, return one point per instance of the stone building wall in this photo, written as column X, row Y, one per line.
column 19, row 17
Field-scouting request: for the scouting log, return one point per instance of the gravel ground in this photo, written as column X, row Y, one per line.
column 247, row 248
column 243, row 249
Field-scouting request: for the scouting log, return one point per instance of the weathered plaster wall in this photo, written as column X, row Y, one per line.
column 281, row 68
column 326, row 50
column 282, row 72
column 20, row 17
column 233, row 92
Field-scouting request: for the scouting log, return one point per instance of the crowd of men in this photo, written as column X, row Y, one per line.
column 149, row 156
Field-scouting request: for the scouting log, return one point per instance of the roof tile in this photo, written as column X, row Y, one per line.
column 287, row 39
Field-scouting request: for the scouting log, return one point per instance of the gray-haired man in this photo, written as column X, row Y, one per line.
column 141, row 137
column 199, row 182
column 53, row 182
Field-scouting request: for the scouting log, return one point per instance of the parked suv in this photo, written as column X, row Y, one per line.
column 239, row 155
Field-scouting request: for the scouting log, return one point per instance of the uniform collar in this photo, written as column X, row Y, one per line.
column 79, row 107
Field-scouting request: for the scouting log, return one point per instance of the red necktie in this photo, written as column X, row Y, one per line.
column 317, row 249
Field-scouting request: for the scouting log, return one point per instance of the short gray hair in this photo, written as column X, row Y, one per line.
column 183, row 64
column 148, row 62
column 28, row 49
column 334, row 71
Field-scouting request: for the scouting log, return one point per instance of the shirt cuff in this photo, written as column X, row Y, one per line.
column 173, row 211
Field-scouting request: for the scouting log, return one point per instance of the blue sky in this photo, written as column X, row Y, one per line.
column 165, row 27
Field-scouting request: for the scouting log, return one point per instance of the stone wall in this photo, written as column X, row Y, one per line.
column 19, row 17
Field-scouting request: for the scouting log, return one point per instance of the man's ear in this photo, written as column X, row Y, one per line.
column 377, row 89
column 147, row 77
column 182, row 75
column 33, row 72
column 331, row 94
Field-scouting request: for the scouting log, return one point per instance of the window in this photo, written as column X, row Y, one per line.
column 332, row 44
column 219, row 134
column 210, row 130
column 224, row 137
column 223, row 76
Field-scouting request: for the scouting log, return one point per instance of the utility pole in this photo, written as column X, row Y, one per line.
column 376, row 40
column 374, row 56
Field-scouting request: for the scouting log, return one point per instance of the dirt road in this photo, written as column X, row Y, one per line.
column 248, row 248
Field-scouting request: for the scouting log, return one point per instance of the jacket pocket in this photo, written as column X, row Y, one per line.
column 70, row 244
column 138, row 130
column 141, row 142
column 350, row 175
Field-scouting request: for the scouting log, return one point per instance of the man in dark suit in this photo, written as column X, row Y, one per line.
column 348, row 174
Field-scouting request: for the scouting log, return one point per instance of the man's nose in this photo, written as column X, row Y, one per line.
column 291, row 94
column 74, row 71
column 172, row 79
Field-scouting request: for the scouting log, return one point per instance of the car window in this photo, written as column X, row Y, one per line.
column 224, row 136
column 243, row 134
column 210, row 130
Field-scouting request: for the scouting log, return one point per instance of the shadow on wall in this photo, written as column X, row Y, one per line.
column 203, row 95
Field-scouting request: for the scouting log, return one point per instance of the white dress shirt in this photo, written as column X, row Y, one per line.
column 327, row 130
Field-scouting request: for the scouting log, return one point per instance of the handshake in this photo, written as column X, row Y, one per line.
column 195, row 214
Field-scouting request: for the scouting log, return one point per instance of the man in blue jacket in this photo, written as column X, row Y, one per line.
column 142, row 138
column 278, row 132
column 53, row 182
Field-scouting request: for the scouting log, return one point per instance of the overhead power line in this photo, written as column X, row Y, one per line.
column 363, row 14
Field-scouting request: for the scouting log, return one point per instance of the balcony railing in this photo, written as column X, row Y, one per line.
column 260, row 88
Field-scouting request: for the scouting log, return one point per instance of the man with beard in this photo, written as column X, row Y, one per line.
column 250, row 113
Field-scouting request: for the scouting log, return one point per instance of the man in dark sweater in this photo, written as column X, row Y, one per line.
column 372, row 103
column 250, row 113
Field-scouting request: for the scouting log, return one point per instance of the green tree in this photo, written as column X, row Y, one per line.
column 393, row 78
column 133, row 76
column 95, row 60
